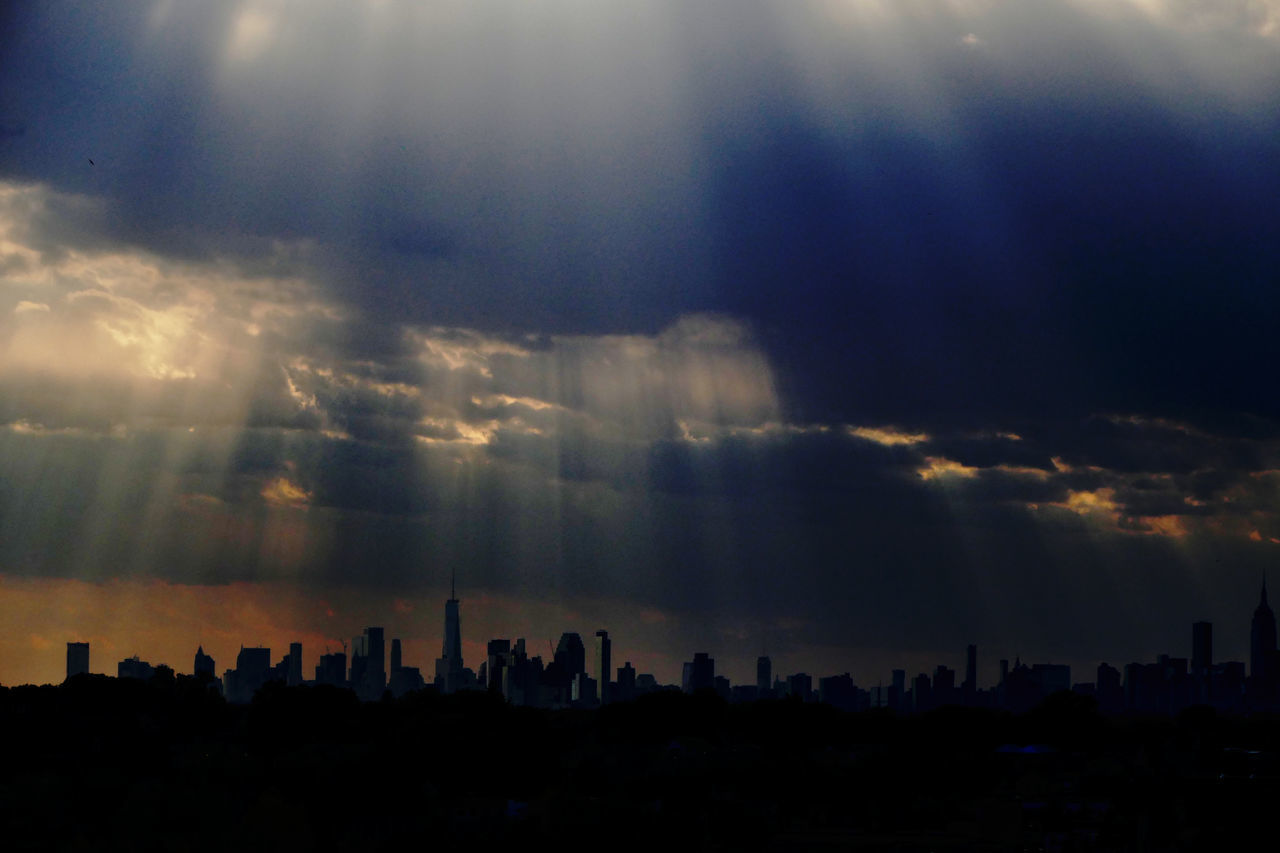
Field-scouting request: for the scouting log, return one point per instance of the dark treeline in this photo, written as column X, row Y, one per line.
column 101, row 763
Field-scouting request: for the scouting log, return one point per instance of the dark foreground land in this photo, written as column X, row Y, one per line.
column 106, row 764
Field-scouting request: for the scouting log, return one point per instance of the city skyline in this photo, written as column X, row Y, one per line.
column 1260, row 665
column 851, row 330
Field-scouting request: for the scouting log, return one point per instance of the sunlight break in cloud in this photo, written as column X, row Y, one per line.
column 1171, row 526
column 938, row 468
column 284, row 492
column 1259, row 17
column 1101, row 505
column 128, row 314
column 888, row 436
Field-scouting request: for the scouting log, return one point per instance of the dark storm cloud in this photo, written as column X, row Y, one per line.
column 1024, row 226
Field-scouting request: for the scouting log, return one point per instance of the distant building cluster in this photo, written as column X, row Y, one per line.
column 573, row 678
column 1167, row 685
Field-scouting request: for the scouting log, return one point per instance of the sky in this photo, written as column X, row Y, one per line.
column 850, row 331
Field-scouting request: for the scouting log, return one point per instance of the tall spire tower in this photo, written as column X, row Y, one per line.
column 449, row 667
column 1262, row 645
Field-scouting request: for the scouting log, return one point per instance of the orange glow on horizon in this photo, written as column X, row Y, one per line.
column 163, row 622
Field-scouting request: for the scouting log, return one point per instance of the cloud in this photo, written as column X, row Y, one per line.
column 939, row 468
column 283, row 492
column 1257, row 17
column 888, row 436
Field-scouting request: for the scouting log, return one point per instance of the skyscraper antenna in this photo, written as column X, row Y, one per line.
column 453, row 584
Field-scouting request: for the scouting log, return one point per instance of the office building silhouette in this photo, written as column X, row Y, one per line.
column 332, row 669
column 699, row 673
column 601, row 670
column 898, row 690
column 359, row 663
column 497, row 661
column 800, row 685
column 583, row 690
column 944, row 686
column 1109, row 689
column 570, row 654
column 1201, row 661
column 838, row 691
column 567, row 662
column 625, row 689
column 375, row 673
column 921, row 693
column 77, row 659
column 293, row 676
column 1262, row 648
column 449, row 670
column 254, row 661
column 764, row 675
column 134, row 667
column 253, row 669
column 204, row 664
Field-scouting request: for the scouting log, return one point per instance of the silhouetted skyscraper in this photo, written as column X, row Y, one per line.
column 839, row 691
column 1201, row 646
column 920, row 698
column 702, row 673
column 571, row 655
column 583, row 690
column 898, row 690
column 1110, row 689
column 626, row 686
column 800, row 686
column 204, row 664
column 375, row 674
column 254, row 662
column 1262, row 642
column 395, row 656
column 944, row 686
column 498, row 659
column 602, row 664
column 294, row 678
column 77, row 659
column 1201, row 660
column 359, row 663
column 764, row 675
column 449, row 667
column 332, row 669
column 134, row 667
column 970, row 673
column 253, row 669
